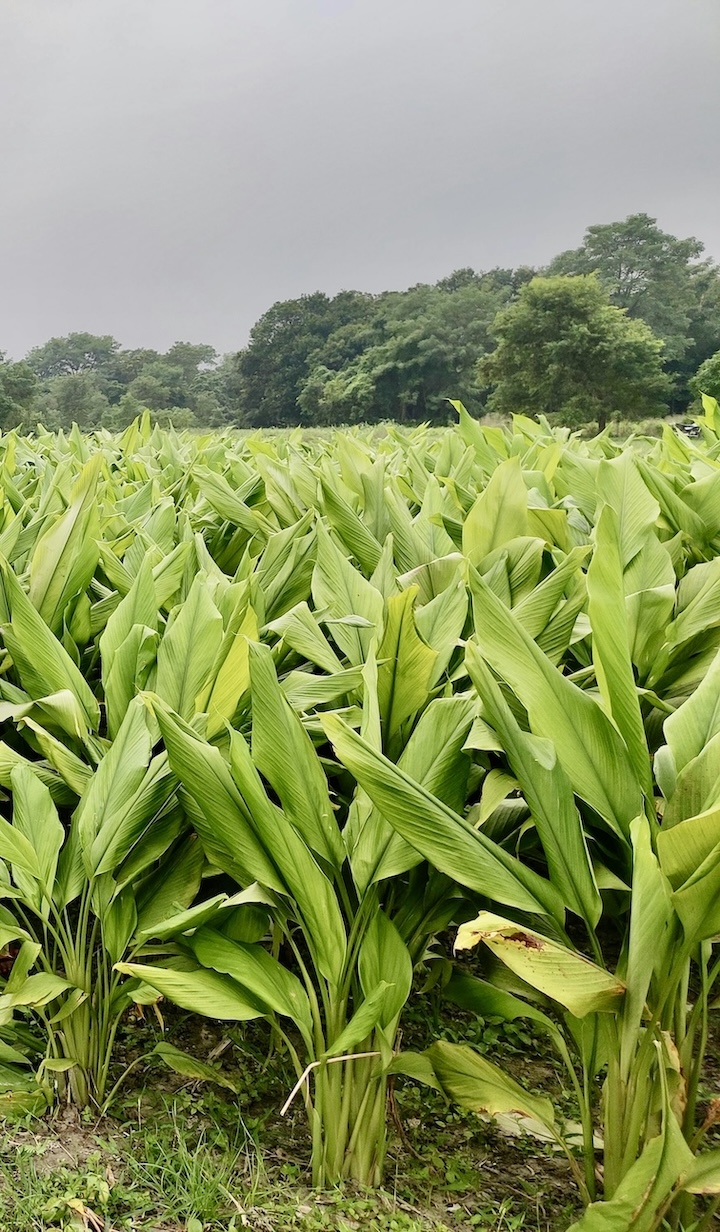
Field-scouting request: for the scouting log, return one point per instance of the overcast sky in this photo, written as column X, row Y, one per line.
column 170, row 168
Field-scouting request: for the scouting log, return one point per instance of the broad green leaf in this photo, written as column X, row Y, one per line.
column 434, row 758
column 300, row 630
column 405, row 669
column 230, row 673
column 610, row 646
column 283, row 752
column 201, row 992
column 477, row 1085
column 265, row 979
column 224, row 824
column 498, row 515
column 65, row 556
column 440, row 624
column 589, row 748
column 621, row 487
column 190, row 1067
column 650, row 936
column 35, row 991
column 644, row 1189
column 43, row 665
column 487, row 1001
column 704, row 1174
column 353, row 532
column 303, row 878
column 554, row 969
column 35, row 817
column 368, row 1015
column 549, row 796
column 115, row 782
column 440, row 835
column 339, row 590
column 694, row 724
column 188, row 650
column 167, row 894
column 385, row 957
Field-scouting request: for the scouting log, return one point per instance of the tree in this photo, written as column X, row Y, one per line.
column 159, row 385
column 419, row 348
column 74, row 353
column 274, row 366
column 707, row 378
column 191, row 357
column 72, row 398
column 657, row 277
column 563, row 349
column 18, row 385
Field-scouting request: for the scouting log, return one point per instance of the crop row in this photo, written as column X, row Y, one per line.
column 279, row 712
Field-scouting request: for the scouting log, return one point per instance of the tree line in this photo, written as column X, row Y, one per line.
column 627, row 324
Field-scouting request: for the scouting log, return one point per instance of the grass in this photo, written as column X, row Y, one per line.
column 176, row 1156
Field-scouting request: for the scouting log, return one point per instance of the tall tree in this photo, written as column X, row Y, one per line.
column 18, row 385
column 274, row 365
column 74, row 397
column 707, row 378
column 564, row 350
column 191, row 357
column 420, row 348
column 74, row 353
column 647, row 271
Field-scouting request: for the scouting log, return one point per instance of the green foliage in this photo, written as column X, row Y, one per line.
column 707, row 378
column 279, row 710
column 91, row 381
column 17, row 392
column 655, row 276
column 564, row 350
column 277, row 361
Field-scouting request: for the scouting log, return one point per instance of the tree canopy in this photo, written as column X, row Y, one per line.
column 400, row 355
column 661, row 280
column 707, row 378
column 564, row 350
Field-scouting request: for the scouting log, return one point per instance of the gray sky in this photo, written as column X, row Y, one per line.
column 170, row 168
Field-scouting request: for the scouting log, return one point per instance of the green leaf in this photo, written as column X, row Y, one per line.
column 164, row 898
column 34, row 991
column 697, row 721
column 474, row 1083
column 314, row 895
column 43, row 665
column 65, row 556
column 611, row 649
column 704, row 1175
column 189, row 1067
column 266, row 981
column 498, row 515
column 230, row 673
column 549, row 797
column 284, row 753
column 118, row 777
column 385, row 957
column 188, row 650
column 553, row 969
column 405, row 669
column 620, row 486
column 339, row 591
column 439, row 834
column 589, row 748
column 201, row 992
column 223, row 822
column 644, row 1189
column 35, row 817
